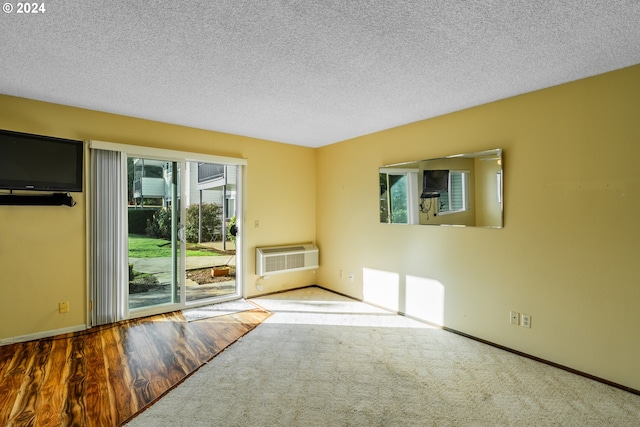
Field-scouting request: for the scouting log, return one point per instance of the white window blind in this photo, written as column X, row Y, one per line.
column 455, row 199
column 108, row 265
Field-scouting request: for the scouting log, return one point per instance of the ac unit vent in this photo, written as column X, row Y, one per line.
column 282, row 249
column 283, row 259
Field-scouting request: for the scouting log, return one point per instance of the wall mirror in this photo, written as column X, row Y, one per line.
column 459, row 190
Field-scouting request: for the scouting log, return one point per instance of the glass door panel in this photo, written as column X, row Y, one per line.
column 153, row 218
column 210, row 193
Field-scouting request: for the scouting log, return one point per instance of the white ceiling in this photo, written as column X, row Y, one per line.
column 307, row 72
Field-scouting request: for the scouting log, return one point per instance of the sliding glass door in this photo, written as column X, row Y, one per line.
column 153, row 214
column 210, row 205
column 179, row 217
column 160, row 230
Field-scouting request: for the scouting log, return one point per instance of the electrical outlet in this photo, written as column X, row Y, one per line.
column 525, row 320
column 352, row 277
column 63, row 307
column 514, row 317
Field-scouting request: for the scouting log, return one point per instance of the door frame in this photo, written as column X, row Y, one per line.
column 182, row 157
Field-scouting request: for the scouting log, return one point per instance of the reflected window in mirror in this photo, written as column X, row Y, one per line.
column 463, row 190
column 398, row 196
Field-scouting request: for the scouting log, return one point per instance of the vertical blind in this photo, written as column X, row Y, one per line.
column 454, row 199
column 457, row 191
column 108, row 267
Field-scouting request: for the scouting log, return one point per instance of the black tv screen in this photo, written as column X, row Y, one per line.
column 434, row 182
column 34, row 162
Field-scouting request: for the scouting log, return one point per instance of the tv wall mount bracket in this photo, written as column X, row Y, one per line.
column 55, row 199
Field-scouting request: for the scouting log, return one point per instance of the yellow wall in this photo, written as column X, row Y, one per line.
column 568, row 252
column 42, row 249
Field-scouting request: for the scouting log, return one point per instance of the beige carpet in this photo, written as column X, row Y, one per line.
column 218, row 309
column 326, row 360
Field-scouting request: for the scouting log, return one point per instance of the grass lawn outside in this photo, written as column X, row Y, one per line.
column 150, row 247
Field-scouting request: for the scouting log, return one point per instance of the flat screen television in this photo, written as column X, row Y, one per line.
column 434, row 182
column 34, row 162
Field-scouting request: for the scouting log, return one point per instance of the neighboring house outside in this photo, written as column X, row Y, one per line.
column 150, row 181
column 206, row 183
column 212, row 183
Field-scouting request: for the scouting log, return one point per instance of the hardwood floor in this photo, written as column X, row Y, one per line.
column 106, row 375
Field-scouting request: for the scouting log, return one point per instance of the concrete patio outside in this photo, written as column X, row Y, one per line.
column 160, row 267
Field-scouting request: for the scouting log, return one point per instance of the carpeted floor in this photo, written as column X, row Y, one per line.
column 218, row 309
column 326, row 360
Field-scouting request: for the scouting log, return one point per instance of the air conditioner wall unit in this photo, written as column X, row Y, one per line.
column 284, row 259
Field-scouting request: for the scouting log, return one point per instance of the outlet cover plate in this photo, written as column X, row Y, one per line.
column 525, row 320
column 514, row 317
column 63, row 307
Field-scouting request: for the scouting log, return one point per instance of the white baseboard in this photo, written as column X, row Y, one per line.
column 44, row 334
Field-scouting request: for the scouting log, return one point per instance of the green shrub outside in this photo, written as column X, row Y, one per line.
column 160, row 224
column 211, row 223
column 231, row 237
column 138, row 219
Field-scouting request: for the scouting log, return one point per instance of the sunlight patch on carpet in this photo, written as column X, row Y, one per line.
column 219, row 309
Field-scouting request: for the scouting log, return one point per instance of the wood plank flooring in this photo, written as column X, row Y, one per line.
column 106, row 375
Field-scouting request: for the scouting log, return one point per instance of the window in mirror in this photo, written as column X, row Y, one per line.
column 499, row 187
column 398, row 201
column 398, row 198
column 456, row 198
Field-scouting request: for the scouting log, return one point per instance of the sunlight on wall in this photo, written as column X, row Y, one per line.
column 425, row 299
column 381, row 288
column 418, row 297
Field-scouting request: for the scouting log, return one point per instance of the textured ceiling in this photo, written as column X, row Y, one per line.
column 307, row 72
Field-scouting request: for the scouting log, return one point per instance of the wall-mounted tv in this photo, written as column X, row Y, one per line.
column 434, row 182
column 34, row 162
